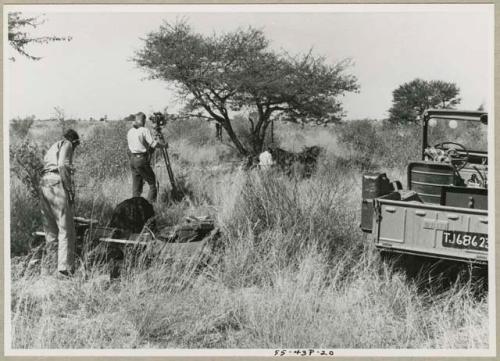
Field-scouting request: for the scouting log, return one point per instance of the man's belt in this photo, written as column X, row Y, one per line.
column 139, row 154
column 47, row 171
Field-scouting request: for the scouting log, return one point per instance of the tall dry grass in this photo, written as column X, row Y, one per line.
column 292, row 270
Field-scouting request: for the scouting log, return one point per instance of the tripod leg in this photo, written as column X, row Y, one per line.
column 166, row 158
column 169, row 170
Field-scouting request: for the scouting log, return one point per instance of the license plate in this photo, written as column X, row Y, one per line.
column 465, row 240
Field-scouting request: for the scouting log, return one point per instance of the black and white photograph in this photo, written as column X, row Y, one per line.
column 249, row 180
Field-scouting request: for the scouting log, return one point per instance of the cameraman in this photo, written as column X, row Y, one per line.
column 141, row 145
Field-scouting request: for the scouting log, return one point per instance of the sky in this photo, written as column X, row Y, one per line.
column 93, row 74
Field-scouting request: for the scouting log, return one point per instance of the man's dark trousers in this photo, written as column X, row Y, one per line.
column 142, row 171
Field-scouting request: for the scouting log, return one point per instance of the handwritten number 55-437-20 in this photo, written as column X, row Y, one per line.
column 309, row 352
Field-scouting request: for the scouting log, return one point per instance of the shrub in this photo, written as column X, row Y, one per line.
column 27, row 164
column 25, row 218
column 20, row 126
column 380, row 145
column 362, row 141
column 401, row 144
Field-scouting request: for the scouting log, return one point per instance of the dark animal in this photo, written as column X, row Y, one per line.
column 302, row 163
column 132, row 214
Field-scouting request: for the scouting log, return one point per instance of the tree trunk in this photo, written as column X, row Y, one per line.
column 234, row 138
column 259, row 135
column 257, row 142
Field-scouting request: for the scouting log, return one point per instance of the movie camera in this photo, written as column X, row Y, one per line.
column 158, row 119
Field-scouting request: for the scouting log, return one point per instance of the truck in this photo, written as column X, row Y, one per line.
column 443, row 212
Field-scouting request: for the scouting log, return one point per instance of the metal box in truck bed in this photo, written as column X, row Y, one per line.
column 443, row 213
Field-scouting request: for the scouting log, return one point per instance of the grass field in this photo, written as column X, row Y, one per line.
column 295, row 271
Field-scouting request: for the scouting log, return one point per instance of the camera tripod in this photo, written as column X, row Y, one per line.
column 166, row 158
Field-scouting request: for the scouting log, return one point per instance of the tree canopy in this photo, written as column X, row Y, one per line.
column 411, row 99
column 19, row 38
column 219, row 75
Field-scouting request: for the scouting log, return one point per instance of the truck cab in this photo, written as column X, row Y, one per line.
column 443, row 212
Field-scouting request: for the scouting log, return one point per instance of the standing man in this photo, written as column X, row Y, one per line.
column 218, row 131
column 141, row 145
column 57, row 201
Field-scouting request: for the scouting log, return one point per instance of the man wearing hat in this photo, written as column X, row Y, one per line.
column 57, row 201
column 141, row 144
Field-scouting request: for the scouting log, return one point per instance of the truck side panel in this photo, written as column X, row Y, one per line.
column 413, row 227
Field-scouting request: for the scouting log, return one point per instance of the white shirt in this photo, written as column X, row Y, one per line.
column 265, row 160
column 140, row 140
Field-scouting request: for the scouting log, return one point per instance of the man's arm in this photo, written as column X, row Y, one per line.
column 153, row 143
column 65, row 166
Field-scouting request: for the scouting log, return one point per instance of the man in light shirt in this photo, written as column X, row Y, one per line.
column 57, row 202
column 141, row 145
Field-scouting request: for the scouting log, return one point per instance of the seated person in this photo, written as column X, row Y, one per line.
column 266, row 159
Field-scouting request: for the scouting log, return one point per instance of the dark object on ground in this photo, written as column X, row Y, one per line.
column 302, row 163
column 132, row 215
column 196, row 237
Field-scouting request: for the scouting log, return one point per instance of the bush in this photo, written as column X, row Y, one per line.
column 25, row 218
column 362, row 141
column 26, row 164
column 401, row 143
column 20, row 127
column 380, row 145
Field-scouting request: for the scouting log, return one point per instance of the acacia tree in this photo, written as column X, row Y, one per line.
column 220, row 75
column 19, row 38
column 412, row 99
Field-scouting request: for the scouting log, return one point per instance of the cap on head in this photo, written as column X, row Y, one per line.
column 72, row 136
